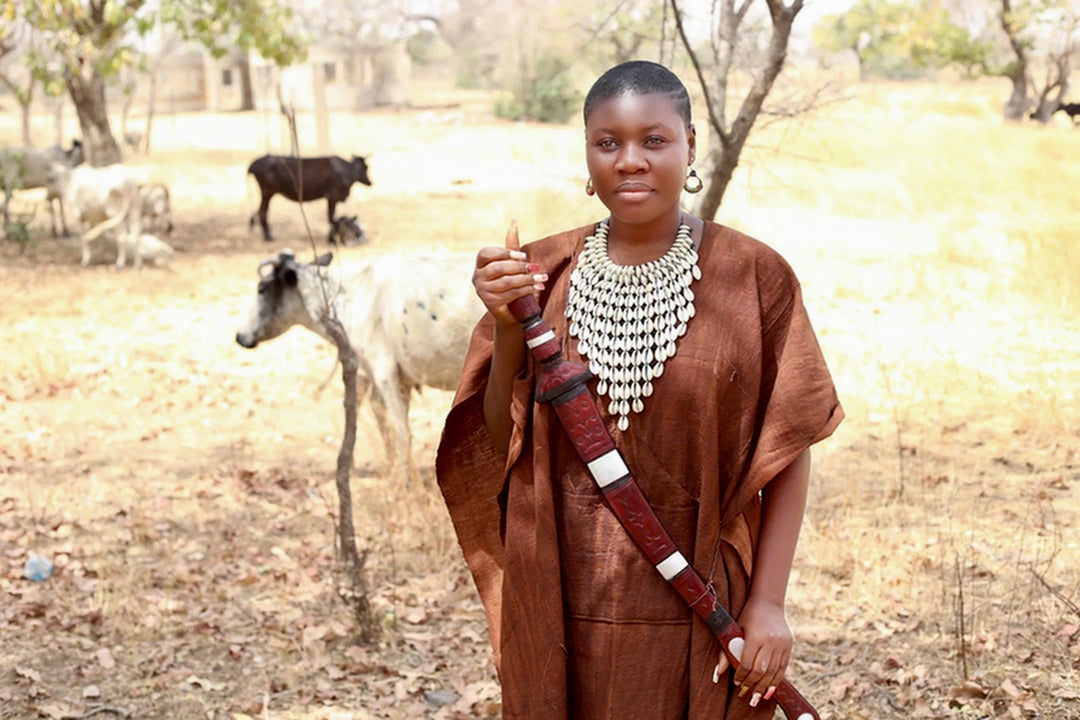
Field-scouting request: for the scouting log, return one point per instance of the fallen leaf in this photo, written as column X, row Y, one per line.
column 1009, row 690
column 105, row 659
column 31, row 675
column 968, row 691
column 415, row 616
column 56, row 711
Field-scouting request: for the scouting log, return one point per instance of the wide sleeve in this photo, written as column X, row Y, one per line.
column 471, row 473
column 798, row 405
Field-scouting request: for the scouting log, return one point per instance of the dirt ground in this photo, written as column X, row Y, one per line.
column 183, row 486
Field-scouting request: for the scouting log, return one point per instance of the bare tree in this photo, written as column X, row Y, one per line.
column 18, row 39
column 1063, row 43
column 352, row 584
column 1042, row 38
column 718, row 81
column 89, row 41
column 1016, row 71
column 625, row 30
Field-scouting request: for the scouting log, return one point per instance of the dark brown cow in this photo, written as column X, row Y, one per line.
column 1070, row 109
column 317, row 177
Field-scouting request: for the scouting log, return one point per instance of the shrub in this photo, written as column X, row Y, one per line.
column 547, row 95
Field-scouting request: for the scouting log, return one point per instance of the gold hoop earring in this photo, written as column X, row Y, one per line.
column 693, row 183
column 588, row 188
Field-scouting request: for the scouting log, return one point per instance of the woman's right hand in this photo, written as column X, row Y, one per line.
column 504, row 274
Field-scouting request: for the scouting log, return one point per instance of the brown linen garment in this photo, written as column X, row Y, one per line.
column 583, row 627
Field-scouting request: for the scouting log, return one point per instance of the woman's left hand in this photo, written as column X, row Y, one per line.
column 766, row 653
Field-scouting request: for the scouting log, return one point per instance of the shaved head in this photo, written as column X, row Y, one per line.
column 639, row 77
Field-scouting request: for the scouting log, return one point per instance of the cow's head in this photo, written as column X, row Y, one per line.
column 360, row 169
column 278, row 305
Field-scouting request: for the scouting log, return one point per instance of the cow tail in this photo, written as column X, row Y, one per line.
column 96, row 231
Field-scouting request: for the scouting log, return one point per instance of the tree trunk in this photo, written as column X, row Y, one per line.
column 864, row 71
column 729, row 140
column 58, row 119
column 719, row 168
column 24, row 98
column 247, row 96
column 352, row 585
column 88, row 95
column 150, row 109
column 25, row 124
column 1017, row 104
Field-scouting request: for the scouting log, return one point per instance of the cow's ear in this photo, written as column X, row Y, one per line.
column 324, row 259
column 288, row 275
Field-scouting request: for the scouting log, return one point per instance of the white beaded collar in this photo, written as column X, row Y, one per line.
column 627, row 317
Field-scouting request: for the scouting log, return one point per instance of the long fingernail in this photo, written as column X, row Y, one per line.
column 755, row 699
column 532, row 267
column 517, row 255
column 540, row 277
column 770, row 691
column 716, row 674
column 743, row 690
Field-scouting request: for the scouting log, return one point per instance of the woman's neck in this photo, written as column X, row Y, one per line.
column 635, row 244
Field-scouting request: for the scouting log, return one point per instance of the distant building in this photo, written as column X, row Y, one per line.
column 348, row 80
column 194, row 81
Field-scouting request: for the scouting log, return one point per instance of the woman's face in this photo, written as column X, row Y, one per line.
column 637, row 150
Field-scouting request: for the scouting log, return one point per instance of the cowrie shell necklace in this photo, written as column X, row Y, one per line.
column 627, row 317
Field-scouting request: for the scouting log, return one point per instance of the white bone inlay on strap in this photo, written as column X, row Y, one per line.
column 736, row 647
column 672, row 565
column 540, row 339
column 608, row 468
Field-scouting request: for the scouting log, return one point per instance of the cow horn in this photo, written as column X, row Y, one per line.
column 264, row 263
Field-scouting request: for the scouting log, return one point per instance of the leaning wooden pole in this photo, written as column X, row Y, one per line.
column 351, row 583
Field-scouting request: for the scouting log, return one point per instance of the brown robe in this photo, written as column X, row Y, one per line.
column 583, row 626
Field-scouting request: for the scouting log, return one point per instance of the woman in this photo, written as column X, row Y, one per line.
column 713, row 396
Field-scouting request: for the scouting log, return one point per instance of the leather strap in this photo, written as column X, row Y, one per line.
column 564, row 384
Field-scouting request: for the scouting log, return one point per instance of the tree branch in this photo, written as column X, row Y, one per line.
column 1057, row 593
column 782, row 18
column 716, row 120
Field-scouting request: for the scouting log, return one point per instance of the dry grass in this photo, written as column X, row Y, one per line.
column 184, row 486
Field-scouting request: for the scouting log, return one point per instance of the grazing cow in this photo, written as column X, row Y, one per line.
column 24, row 168
column 318, row 177
column 156, row 206
column 347, row 231
column 101, row 198
column 409, row 319
column 149, row 250
column 1070, row 109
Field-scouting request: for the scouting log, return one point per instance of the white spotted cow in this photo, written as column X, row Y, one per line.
column 409, row 319
column 102, row 198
